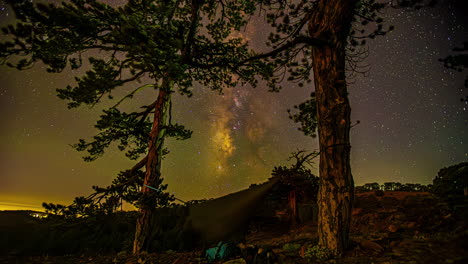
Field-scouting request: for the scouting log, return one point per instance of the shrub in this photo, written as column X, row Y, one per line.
column 319, row 253
column 451, row 181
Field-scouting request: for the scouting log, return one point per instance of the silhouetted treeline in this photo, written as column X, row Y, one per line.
column 450, row 181
column 394, row 186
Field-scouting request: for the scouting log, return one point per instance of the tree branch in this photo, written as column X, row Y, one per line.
column 139, row 165
column 130, row 95
column 301, row 39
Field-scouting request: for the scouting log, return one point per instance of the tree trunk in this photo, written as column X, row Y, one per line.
column 144, row 226
column 332, row 22
column 293, row 206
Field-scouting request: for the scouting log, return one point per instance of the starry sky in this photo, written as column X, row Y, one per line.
column 412, row 122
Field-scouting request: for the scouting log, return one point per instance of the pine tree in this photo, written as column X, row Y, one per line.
column 162, row 40
column 325, row 39
column 169, row 45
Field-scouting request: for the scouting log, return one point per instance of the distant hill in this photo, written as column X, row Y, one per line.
column 16, row 219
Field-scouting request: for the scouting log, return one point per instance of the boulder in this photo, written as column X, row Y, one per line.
column 236, row 261
column 393, row 228
column 371, row 246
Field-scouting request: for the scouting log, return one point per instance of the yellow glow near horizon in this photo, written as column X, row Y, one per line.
column 19, row 206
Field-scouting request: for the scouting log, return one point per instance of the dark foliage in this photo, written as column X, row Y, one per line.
column 451, row 181
column 306, row 116
column 58, row 235
column 299, row 176
column 186, row 42
column 458, row 62
column 393, row 186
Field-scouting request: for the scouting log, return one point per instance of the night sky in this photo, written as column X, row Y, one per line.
column 412, row 122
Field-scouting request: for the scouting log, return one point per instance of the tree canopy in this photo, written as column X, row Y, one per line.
column 170, row 45
column 131, row 48
column 451, row 181
column 458, row 62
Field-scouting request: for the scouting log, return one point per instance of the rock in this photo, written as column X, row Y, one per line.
column 179, row 260
column 236, row 261
column 393, row 228
column 411, row 225
column 447, row 216
column 404, row 244
column 371, row 246
column 356, row 211
column 393, row 243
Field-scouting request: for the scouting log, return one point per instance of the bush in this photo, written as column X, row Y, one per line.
column 451, row 181
column 319, row 253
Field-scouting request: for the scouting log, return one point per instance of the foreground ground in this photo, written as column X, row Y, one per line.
column 396, row 227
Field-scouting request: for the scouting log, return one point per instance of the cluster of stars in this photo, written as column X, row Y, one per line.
column 410, row 100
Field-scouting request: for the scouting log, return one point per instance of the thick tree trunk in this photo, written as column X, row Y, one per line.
column 144, row 225
column 293, row 206
column 332, row 23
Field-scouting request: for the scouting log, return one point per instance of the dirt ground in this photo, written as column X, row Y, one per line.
column 394, row 228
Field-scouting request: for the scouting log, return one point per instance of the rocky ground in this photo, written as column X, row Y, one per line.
column 387, row 228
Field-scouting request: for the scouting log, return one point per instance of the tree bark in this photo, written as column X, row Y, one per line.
column 332, row 22
column 293, row 206
column 145, row 224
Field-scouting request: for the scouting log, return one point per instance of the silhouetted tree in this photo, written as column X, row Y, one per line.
column 458, row 62
column 324, row 38
column 372, row 186
column 302, row 184
column 299, row 173
column 359, row 189
column 166, row 46
column 392, row 186
column 451, row 181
